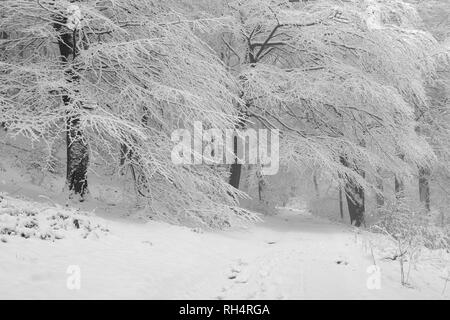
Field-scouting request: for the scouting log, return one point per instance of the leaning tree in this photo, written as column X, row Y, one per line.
column 341, row 80
column 117, row 78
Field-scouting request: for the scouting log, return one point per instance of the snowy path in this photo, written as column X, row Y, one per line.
column 289, row 256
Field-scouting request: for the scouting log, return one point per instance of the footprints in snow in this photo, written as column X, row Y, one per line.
column 259, row 278
column 237, row 273
column 239, row 277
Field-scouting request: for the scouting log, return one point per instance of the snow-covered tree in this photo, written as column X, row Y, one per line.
column 119, row 74
column 342, row 80
column 433, row 122
column 345, row 82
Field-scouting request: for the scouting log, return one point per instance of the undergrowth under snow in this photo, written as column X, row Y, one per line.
column 29, row 219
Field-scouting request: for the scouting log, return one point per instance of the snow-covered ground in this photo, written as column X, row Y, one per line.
column 288, row 256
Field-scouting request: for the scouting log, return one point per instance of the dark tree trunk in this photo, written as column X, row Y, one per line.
column 341, row 203
column 316, row 186
column 77, row 147
column 77, row 158
column 125, row 154
column 424, row 187
column 399, row 187
column 235, row 176
column 355, row 198
column 355, row 203
column 236, row 167
column 260, row 187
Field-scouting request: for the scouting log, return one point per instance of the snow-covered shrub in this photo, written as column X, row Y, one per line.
column 410, row 222
column 411, row 228
column 33, row 220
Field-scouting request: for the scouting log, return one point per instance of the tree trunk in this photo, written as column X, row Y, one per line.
column 399, row 187
column 355, row 198
column 341, row 203
column 235, row 176
column 77, row 147
column 236, row 167
column 77, row 158
column 125, row 155
column 424, row 187
column 355, row 203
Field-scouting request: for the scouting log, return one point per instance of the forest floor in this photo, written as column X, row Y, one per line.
column 288, row 256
